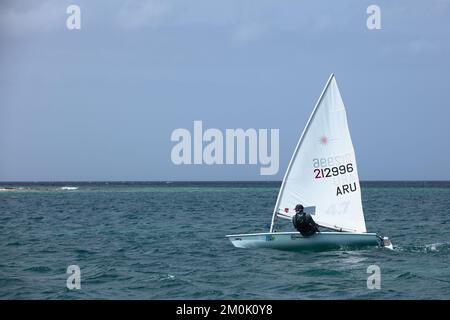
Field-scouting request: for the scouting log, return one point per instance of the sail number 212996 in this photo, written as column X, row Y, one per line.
column 333, row 171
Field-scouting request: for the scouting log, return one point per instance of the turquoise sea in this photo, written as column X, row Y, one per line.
column 136, row 240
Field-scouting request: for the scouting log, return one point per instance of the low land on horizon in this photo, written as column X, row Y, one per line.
column 196, row 181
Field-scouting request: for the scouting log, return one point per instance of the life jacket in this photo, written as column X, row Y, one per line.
column 305, row 224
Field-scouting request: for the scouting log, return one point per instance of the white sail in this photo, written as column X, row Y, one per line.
column 322, row 174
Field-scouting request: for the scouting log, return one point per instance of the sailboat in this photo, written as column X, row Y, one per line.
column 322, row 176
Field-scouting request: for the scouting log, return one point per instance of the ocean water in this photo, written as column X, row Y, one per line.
column 166, row 241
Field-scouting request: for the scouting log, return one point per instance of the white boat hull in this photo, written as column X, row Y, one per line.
column 294, row 241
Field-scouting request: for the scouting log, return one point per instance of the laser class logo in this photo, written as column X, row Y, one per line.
column 325, row 140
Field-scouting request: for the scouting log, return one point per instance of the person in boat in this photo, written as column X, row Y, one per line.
column 303, row 222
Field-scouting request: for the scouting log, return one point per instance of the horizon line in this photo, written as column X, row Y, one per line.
column 156, row 181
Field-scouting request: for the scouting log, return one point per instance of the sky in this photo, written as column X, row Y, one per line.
column 100, row 103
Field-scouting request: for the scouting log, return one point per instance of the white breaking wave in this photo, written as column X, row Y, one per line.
column 69, row 188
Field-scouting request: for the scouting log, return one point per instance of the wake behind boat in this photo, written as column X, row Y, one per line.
column 321, row 179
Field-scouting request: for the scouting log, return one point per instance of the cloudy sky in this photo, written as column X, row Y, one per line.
column 100, row 103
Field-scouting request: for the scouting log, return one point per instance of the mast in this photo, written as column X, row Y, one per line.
column 295, row 152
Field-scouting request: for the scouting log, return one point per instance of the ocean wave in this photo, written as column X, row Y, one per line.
column 426, row 248
column 439, row 246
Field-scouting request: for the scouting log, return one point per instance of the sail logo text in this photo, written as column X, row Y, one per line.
column 238, row 147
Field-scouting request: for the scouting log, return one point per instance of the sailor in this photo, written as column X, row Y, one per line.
column 303, row 222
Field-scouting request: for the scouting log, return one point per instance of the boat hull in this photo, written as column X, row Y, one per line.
column 294, row 241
